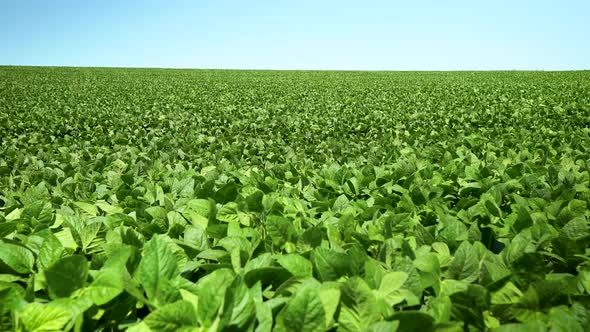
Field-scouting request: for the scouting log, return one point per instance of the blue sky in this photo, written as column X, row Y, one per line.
column 371, row 35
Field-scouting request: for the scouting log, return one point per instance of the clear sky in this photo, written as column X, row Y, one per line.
column 316, row 34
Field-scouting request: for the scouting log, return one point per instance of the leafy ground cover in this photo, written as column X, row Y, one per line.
column 195, row 200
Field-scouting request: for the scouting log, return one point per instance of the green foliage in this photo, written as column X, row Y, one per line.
column 198, row 200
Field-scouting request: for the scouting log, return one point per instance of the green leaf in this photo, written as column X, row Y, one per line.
column 492, row 208
column 535, row 326
column 11, row 297
column 508, row 294
column 227, row 193
column 111, row 280
column 359, row 306
column 66, row 275
column 37, row 317
column 330, row 265
column 410, row 321
column 304, row 312
column 35, row 194
column 267, row 275
column 440, row 308
column 330, row 298
column 469, row 305
column 341, row 203
column 8, row 227
column 230, row 213
column 184, row 187
column 239, row 308
column 108, row 208
column 562, row 320
column 157, row 268
column 51, row 250
column 450, row 286
column 211, row 291
column 264, row 316
column 428, row 267
column 178, row 316
column 524, row 219
column 40, row 211
column 465, row 264
column 90, row 236
column 575, row 229
column 296, row 265
column 254, row 201
column 391, row 283
column 156, row 212
column 67, row 240
column 280, row 230
column 198, row 212
column 89, row 208
column 107, row 285
column 384, row 326
column 453, row 233
column 196, row 237
column 17, row 258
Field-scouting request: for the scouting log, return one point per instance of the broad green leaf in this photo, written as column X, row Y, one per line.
column 239, row 308
column 51, row 250
column 465, row 264
column 108, row 208
column 37, row 317
column 111, row 280
column 280, row 230
column 264, row 315
column 178, row 316
column 230, row 213
column 90, row 236
column 453, row 233
column 384, row 326
column 391, row 283
column 211, row 292
column 439, row 308
column 227, row 193
column 536, row 326
column 443, row 253
column 17, row 258
column 139, row 327
column 410, row 321
column 429, row 269
column 157, row 268
column 11, row 297
column 359, row 306
column 89, row 208
column 39, row 211
column 469, row 305
column 66, row 275
column 330, row 298
column 296, row 265
column 303, row 313
column 330, row 265
column 184, row 187
column 201, row 207
column 450, row 286
column 562, row 320
column 341, row 203
column 67, row 240
column 508, row 294
column 156, row 212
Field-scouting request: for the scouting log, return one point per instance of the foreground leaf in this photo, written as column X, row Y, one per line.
column 66, row 275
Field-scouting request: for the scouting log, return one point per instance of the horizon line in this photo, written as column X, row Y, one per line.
column 292, row 69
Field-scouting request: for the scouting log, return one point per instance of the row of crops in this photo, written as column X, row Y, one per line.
column 202, row 200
